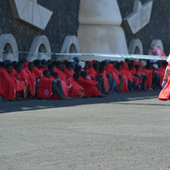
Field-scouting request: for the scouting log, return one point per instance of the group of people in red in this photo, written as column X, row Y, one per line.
column 77, row 79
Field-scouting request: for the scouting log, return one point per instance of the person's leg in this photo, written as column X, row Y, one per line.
column 143, row 82
column 112, row 87
column 60, row 87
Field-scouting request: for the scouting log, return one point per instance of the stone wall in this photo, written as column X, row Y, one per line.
column 158, row 28
column 64, row 22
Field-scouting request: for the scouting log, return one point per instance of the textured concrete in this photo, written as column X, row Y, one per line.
column 121, row 132
column 135, row 46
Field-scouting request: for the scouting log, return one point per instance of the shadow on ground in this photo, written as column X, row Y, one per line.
column 16, row 106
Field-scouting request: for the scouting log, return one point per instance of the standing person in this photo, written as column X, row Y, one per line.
column 165, row 93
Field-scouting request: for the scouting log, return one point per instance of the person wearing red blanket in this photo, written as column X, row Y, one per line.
column 32, row 79
column 69, row 69
column 148, row 74
column 48, row 85
column 9, row 85
column 123, row 87
column 89, row 86
column 64, row 82
column 76, row 90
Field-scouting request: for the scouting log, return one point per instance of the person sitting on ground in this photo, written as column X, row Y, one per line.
column 89, row 86
column 69, row 68
column 47, row 86
column 76, row 90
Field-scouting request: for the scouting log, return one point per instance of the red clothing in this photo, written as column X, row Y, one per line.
column 75, row 88
column 44, row 89
column 7, row 85
column 154, row 52
column 69, row 72
column 125, row 71
column 89, row 87
column 109, row 69
column 165, row 92
column 37, row 72
column 41, row 70
column 124, row 81
column 149, row 77
column 61, row 74
column 32, row 80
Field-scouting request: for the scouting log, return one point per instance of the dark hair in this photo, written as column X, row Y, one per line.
column 50, row 66
column 54, row 74
column 83, row 74
column 45, row 72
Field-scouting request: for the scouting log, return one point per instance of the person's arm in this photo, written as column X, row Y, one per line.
column 166, row 75
column 158, row 53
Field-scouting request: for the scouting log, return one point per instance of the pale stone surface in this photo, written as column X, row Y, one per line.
column 31, row 12
column 40, row 44
column 68, row 42
column 105, row 12
column 139, row 18
column 135, row 46
column 102, row 39
column 8, row 41
column 157, row 42
column 99, row 30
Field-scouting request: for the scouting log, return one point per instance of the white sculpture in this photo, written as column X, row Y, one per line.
column 40, row 48
column 31, row 12
column 139, row 18
column 100, row 28
column 8, row 48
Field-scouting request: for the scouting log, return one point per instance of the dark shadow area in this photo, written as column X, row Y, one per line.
column 17, row 106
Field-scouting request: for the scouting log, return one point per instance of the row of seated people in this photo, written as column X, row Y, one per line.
column 76, row 79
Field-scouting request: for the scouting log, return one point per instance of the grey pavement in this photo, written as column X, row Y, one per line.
column 121, row 132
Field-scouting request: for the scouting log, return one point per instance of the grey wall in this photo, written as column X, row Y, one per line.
column 159, row 26
column 63, row 22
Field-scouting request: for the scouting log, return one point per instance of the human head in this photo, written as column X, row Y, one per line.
column 76, row 77
column 18, row 68
column 51, row 68
column 9, row 68
column 101, row 68
column 83, row 74
column 58, row 64
column 31, row 66
column 96, row 66
column 46, row 73
column 37, row 63
column 69, row 65
column 78, row 69
column 44, row 62
column 152, row 46
column 55, row 75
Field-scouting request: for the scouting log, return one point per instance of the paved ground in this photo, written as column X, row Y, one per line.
column 121, row 132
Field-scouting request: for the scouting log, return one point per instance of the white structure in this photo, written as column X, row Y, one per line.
column 135, row 47
column 139, row 18
column 8, row 48
column 40, row 49
column 31, row 12
column 99, row 29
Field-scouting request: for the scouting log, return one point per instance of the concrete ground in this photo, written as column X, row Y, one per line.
column 121, row 132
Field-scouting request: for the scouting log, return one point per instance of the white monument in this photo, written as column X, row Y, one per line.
column 100, row 28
